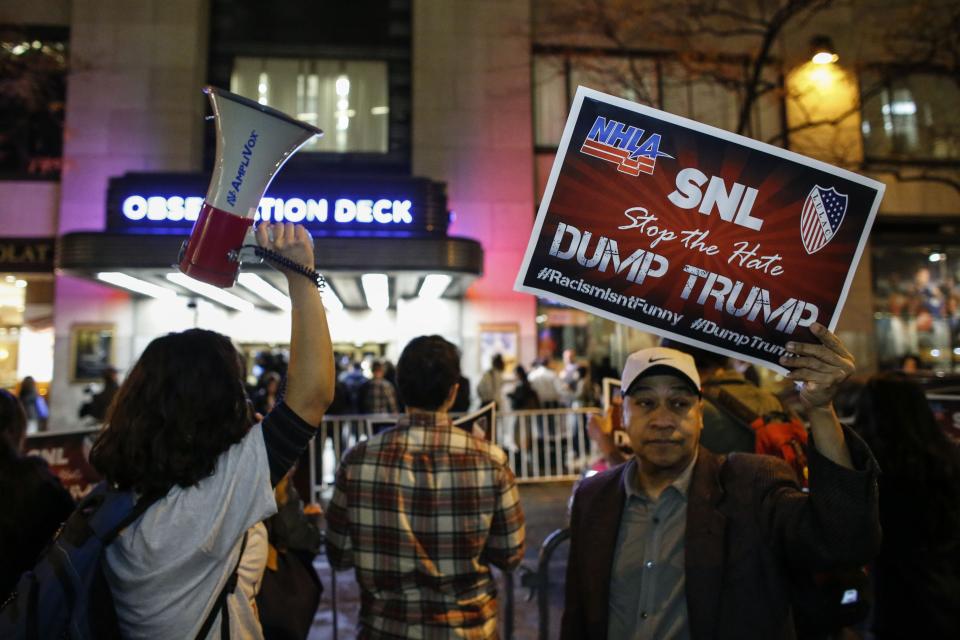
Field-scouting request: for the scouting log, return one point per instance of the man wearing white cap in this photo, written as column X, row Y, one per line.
column 682, row 543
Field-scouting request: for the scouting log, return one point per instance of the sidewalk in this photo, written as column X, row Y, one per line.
column 545, row 507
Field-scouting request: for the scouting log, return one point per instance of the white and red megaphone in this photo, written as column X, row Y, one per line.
column 253, row 142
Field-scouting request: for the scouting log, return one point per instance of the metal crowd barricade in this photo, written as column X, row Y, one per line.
column 508, row 605
column 334, row 606
column 335, row 436
column 546, row 445
column 539, row 581
column 543, row 445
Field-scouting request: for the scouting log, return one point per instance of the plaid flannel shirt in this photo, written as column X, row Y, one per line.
column 379, row 396
column 420, row 510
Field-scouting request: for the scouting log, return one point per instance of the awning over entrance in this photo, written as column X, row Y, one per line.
column 342, row 260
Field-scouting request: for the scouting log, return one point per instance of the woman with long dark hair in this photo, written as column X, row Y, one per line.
column 917, row 574
column 180, row 428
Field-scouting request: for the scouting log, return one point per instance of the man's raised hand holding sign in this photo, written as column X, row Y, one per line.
column 821, row 368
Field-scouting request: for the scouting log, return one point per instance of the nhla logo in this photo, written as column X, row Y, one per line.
column 624, row 146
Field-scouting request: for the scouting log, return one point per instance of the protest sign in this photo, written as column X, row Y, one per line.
column 610, row 393
column 695, row 233
column 66, row 453
column 481, row 423
column 612, row 403
column 946, row 410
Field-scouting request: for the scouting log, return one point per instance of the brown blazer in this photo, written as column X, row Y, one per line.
column 748, row 522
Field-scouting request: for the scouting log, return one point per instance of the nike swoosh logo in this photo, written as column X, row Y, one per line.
column 652, row 360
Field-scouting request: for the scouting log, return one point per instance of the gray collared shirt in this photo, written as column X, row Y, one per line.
column 647, row 584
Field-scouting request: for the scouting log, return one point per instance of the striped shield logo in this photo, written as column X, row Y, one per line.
column 823, row 213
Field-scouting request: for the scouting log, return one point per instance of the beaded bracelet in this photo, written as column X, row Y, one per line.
column 286, row 263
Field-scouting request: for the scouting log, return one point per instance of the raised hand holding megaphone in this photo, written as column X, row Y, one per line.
column 253, row 142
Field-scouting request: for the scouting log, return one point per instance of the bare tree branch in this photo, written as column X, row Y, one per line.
column 731, row 31
column 777, row 22
column 784, row 135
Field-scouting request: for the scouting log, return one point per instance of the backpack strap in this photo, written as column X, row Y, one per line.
column 144, row 503
column 220, row 605
column 719, row 406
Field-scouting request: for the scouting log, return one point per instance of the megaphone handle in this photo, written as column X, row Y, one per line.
column 287, row 263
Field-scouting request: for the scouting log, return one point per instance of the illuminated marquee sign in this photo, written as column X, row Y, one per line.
column 343, row 210
column 170, row 203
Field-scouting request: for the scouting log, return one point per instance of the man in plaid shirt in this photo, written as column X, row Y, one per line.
column 423, row 509
column 377, row 395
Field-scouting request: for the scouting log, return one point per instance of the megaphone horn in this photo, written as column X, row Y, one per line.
column 253, row 142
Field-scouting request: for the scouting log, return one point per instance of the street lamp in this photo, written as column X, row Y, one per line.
column 822, row 50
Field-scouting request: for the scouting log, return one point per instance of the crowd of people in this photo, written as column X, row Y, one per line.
column 543, row 387
column 369, row 386
column 917, row 310
column 686, row 534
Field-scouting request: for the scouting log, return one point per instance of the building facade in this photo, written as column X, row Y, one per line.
column 452, row 107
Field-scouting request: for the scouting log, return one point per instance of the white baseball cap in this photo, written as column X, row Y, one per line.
column 659, row 360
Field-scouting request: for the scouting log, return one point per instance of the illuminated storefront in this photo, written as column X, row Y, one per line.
column 26, row 307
